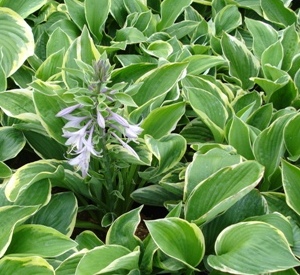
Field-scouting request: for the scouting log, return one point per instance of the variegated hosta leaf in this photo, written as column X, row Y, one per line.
column 16, row 40
column 252, row 248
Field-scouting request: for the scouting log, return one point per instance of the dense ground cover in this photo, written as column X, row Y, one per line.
column 149, row 137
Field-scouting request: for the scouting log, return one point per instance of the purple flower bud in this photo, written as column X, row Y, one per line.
column 68, row 110
column 100, row 120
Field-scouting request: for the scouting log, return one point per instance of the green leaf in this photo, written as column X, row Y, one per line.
column 58, row 41
column 51, row 66
column 88, row 239
column 204, row 165
column 121, row 232
column 5, row 171
column 39, row 193
column 198, row 64
column 25, row 265
column 12, row 141
column 39, row 240
column 23, row 7
column 113, row 258
column 84, row 49
column 239, row 138
column 227, row 19
column 160, row 49
column 31, row 173
column 242, row 64
column 18, row 104
column 272, row 55
column 291, row 136
column 238, row 251
column 170, row 10
column 290, row 45
column 76, row 11
column 210, row 109
column 96, row 18
column 291, row 184
column 162, row 121
column 16, row 40
column 230, row 184
column 275, row 11
column 264, row 35
column 159, row 81
column 51, row 214
column 69, row 265
column 168, row 150
column 10, row 216
column 131, row 35
column 261, row 118
column 279, row 221
column 178, row 239
column 47, row 108
column 268, row 147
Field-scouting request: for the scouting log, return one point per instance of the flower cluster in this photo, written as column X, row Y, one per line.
column 85, row 122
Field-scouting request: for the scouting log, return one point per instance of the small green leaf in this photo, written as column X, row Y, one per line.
column 113, row 258
column 291, row 184
column 230, row 183
column 39, row 240
column 291, row 136
column 268, row 148
column 10, row 216
column 239, row 138
column 162, row 121
column 275, row 11
column 242, row 64
column 25, row 265
column 76, row 11
column 12, row 141
column 178, row 239
column 131, row 35
column 168, row 150
column 170, row 10
column 58, row 41
column 237, row 250
column 96, row 18
column 5, row 171
column 88, row 239
column 264, row 35
column 227, row 19
column 123, row 228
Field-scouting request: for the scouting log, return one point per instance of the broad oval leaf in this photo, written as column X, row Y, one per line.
column 25, row 265
column 88, row 239
column 39, row 240
column 220, row 191
column 12, row 141
column 16, row 40
column 238, row 251
column 178, row 239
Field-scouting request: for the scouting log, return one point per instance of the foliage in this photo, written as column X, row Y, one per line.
column 114, row 106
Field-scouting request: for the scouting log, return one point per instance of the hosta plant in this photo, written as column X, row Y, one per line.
column 149, row 137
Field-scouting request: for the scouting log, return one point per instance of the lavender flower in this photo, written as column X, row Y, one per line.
column 68, row 110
